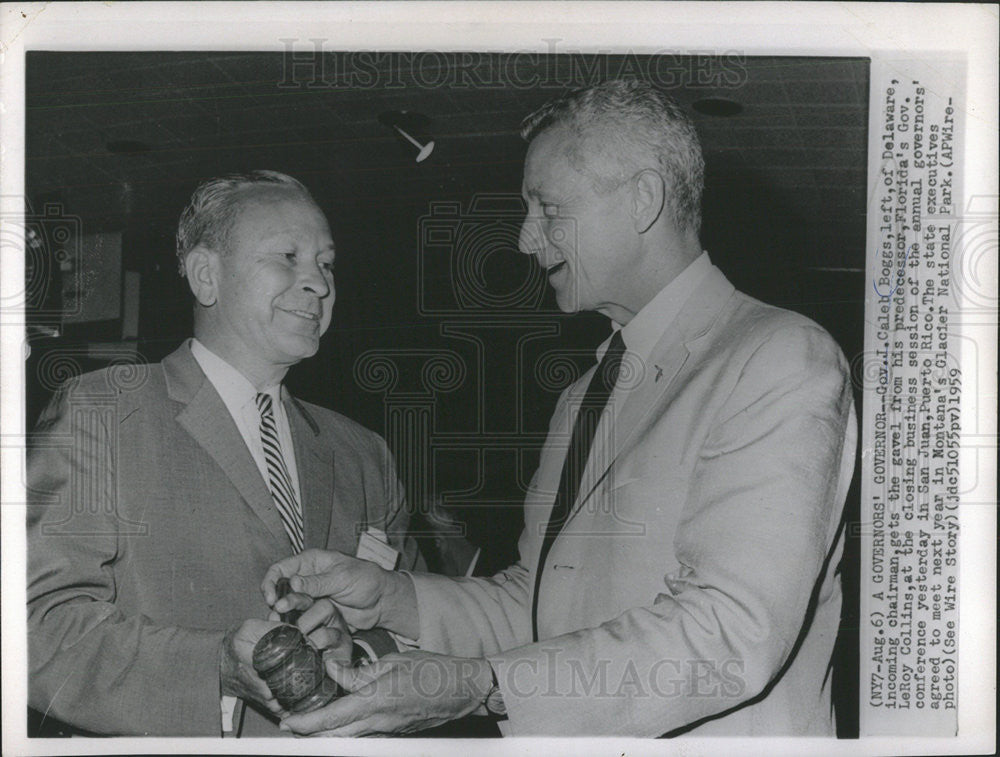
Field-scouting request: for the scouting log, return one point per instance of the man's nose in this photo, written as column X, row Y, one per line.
column 313, row 280
column 531, row 240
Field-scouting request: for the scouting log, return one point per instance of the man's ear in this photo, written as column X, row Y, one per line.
column 648, row 195
column 201, row 266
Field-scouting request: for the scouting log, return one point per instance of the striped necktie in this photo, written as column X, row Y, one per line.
column 278, row 479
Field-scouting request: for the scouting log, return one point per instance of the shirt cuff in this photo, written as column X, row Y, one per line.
column 228, row 707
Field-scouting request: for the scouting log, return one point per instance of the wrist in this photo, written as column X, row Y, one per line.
column 482, row 681
column 476, row 682
column 493, row 698
column 398, row 605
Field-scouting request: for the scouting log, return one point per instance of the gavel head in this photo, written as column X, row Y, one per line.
column 293, row 670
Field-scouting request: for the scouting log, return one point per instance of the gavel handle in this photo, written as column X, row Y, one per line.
column 281, row 588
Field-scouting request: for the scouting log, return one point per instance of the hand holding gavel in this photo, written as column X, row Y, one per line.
column 291, row 667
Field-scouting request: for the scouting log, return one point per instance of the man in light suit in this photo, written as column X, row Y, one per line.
column 161, row 493
column 677, row 567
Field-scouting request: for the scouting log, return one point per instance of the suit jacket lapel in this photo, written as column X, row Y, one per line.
column 628, row 415
column 207, row 419
column 632, row 414
column 315, row 463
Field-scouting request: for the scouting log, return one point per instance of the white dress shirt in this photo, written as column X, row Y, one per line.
column 240, row 398
column 643, row 332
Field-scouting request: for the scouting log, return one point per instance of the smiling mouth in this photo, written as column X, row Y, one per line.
column 303, row 314
column 553, row 269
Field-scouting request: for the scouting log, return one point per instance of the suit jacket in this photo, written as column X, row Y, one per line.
column 694, row 581
column 150, row 529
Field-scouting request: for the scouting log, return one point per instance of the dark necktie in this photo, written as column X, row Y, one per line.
column 584, row 428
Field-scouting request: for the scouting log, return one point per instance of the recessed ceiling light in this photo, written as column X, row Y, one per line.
column 720, row 107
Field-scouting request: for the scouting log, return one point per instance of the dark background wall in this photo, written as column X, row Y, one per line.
column 429, row 283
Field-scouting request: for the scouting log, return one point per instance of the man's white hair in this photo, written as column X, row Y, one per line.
column 621, row 125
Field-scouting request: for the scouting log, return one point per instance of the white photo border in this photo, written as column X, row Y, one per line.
column 873, row 30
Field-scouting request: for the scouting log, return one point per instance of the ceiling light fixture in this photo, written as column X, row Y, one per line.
column 405, row 124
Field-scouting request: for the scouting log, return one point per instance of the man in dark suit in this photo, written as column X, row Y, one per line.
column 160, row 494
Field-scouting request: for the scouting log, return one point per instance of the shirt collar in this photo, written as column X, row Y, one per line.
column 643, row 332
column 234, row 388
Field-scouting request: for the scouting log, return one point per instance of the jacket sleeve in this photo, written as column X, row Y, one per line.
column 474, row 617
column 89, row 664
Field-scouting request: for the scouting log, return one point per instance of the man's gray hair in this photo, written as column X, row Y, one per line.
column 622, row 123
column 209, row 216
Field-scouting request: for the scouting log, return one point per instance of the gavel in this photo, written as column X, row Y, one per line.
column 291, row 667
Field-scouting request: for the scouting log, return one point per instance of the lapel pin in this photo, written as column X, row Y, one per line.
column 659, row 374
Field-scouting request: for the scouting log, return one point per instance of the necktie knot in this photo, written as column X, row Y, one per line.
column 264, row 404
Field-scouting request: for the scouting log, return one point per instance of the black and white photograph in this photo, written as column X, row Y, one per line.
column 453, row 389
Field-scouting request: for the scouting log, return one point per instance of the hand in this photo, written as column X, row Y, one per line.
column 236, row 674
column 366, row 595
column 400, row 693
column 326, row 629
